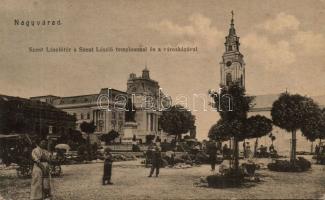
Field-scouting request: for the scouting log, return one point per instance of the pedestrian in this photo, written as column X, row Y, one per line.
column 244, row 147
column 248, row 151
column 317, row 150
column 155, row 161
column 40, row 185
column 108, row 162
column 212, row 151
column 225, row 151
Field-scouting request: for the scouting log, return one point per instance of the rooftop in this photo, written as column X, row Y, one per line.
column 265, row 101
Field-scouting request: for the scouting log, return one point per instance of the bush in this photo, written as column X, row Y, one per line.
column 136, row 148
column 149, row 138
column 109, row 137
column 202, row 157
column 164, row 163
column 231, row 178
column 83, row 152
column 300, row 165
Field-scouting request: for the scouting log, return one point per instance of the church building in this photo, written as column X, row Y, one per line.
column 232, row 70
column 232, row 66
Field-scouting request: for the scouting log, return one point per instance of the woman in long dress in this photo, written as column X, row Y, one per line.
column 40, row 186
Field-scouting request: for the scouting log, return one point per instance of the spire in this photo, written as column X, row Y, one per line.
column 145, row 67
column 145, row 72
column 232, row 30
column 232, row 17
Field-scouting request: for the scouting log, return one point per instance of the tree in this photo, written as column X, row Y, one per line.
column 314, row 128
column 177, row 121
column 110, row 136
column 293, row 112
column 219, row 131
column 322, row 129
column 256, row 127
column 234, row 123
column 88, row 128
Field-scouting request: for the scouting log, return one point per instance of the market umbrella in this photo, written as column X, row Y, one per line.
column 62, row 146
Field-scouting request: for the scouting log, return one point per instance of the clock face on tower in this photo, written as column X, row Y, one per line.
column 228, row 63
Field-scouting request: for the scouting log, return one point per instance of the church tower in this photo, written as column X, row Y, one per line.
column 232, row 67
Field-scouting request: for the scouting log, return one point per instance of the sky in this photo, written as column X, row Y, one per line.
column 282, row 43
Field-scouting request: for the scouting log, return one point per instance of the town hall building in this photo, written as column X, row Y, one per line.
column 107, row 111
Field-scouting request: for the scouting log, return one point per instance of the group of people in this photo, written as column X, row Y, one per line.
column 40, row 184
column 155, row 158
column 319, row 149
column 41, row 175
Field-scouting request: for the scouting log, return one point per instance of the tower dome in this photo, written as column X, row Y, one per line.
column 145, row 73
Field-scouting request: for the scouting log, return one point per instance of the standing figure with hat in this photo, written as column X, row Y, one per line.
column 108, row 162
column 155, row 161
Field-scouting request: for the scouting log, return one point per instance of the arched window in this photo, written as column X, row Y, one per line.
column 228, row 79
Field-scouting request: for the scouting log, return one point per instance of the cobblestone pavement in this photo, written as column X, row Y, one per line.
column 131, row 182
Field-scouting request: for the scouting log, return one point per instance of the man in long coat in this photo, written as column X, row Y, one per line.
column 155, row 161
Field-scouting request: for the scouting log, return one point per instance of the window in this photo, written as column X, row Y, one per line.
column 120, row 125
column 100, row 126
column 228, row 79
column 229, row 48
column 81, row 116
column 241, row 80
column 100, row 114
column 88, row 115
column 113, row 124
column 151, row 122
